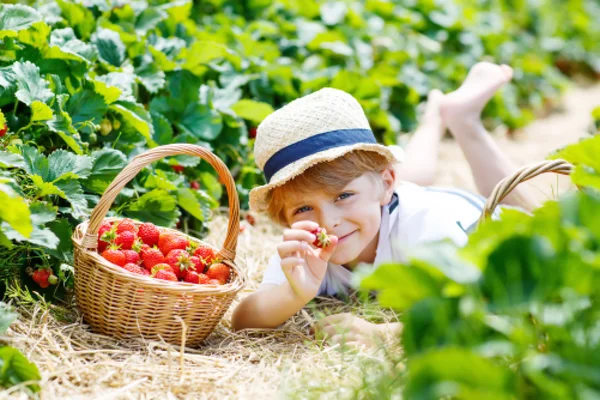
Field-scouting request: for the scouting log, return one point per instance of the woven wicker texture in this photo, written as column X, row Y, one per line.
column 121, row 304
column 506, row 185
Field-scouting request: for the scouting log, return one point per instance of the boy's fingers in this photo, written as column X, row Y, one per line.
column 287, row 249
column 298, row 234
column 305, row 225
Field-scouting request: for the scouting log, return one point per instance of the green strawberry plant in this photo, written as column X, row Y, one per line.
column 514, row 313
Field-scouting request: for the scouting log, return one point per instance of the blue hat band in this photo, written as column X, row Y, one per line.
column 316, row 144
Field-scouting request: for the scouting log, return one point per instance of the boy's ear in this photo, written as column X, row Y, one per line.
column 388, row 176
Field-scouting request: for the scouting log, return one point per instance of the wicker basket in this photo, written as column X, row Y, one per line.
column 123, row 305
column 506, row 185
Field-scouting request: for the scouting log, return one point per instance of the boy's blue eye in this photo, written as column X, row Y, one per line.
column 301, row 209
column 344, row 195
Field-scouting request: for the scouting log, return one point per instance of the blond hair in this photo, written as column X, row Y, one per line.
column 330, row 177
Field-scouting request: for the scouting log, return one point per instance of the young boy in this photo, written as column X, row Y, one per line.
column 324, row 168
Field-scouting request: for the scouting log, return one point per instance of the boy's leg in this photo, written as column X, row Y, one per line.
column 461, row 111
column 421, row 153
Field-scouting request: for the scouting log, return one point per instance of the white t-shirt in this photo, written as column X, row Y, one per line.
column 415, row 215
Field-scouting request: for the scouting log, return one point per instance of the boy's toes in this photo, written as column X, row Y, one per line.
column 508, row 71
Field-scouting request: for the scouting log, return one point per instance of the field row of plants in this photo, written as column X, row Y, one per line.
column 86, row 86
column 513, row 314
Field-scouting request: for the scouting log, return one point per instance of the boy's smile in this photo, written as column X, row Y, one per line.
column 353, row 215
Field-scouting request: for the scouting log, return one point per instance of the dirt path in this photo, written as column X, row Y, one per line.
column 533, row 143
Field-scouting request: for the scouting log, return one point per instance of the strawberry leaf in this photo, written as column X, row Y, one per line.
column 14, row 18
column 11, row 160
column 201, row 121
column 107, row 164
column 136, row 116
column 41, row 213
column 110, row 47
column 79, row 17
column 251, row 110
column 156, row 206
column 61, row 123
column 16, row 369
column 86, row 106
column 31, row 86
column 14, row 210
column 63, row 164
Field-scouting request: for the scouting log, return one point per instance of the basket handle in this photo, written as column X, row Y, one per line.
column 506, row 185
column 90, row 240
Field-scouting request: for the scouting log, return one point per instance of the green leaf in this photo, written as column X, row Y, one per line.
column 7, row 317
column 73, row 193
column 36, row 36
column 15, row 368
column 151, row 77
column 135, row 115
column 201, row 121
column 86, row 106
column 110, row 93
column 584, row 155
column 14, row 210
column 399, row 286
column 187, row 199
column 8, row 85
column 107, row 165
column 251, row 110
column 41, row 213
column 149, row 19
column 458, row 373
column 156, row 206
column 63, row 231
column 40, row 112
column 61, row 123
column 62, row 164
column 31, row 86
column 163, row 132
column 159, row 181
column 11, row 160
column 35, row 163
column 79, row 18
column 14, row 18
column 110, row 47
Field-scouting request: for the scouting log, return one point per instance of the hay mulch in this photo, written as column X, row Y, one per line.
column 76, row 363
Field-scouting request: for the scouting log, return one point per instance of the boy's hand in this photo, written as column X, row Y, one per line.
column 348, row 329
column 303, row 265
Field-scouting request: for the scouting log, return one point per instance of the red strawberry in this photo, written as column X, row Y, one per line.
column 163, row 271
column 205, row 254
column 135, row 269
column 252, row 133
column 151, row 257
column 149, row 233
column 198, row 264
column 251, row 219
column 213, row 282
column 220, row 272
column 115, row 256
column 125, row 239
column 105, row 235
column 322, row 239
column 40, row 276
column 195, row 185
column 178, row 168
column 179, row 260
column 191, row 277
column 126, row 225
column 131, row 256
column 171, row 241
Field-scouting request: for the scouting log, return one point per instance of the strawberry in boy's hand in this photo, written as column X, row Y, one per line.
column 322, row 239
column 305, row 266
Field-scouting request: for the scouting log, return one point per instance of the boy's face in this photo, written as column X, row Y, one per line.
column 353, row 215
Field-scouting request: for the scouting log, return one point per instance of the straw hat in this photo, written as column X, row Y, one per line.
column 318, row 127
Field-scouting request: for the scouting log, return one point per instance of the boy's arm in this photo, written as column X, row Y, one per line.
column 267, row 308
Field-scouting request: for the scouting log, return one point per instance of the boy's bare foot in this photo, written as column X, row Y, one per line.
column 432, row 117
column 464, row 105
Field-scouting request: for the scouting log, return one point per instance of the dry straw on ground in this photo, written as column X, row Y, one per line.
column 78, row 364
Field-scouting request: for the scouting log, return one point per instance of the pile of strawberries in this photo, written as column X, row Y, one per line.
column 163, row 255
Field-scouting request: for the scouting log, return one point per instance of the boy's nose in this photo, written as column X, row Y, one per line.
column 330, row 219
